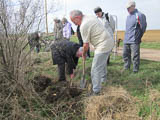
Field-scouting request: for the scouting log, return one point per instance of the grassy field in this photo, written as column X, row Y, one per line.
column 139, row 85
column 150, row 40
column 144, row 87
column 149, row 35
column 38, row 95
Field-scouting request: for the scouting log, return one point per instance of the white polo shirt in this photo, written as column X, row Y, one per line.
column 93, row 32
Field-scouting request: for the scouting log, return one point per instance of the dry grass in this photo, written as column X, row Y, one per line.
column 149, row 36
column 115, row 103
column 154, row 103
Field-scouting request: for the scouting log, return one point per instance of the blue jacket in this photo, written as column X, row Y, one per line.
column 134, row 30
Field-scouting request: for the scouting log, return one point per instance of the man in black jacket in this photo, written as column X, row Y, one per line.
column 66, row 52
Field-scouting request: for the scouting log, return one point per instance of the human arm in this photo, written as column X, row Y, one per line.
column 86, row 36
column 71, row 65
column 112, row 23
column 85, row 49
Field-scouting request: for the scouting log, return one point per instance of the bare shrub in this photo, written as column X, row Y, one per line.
column 17, row 94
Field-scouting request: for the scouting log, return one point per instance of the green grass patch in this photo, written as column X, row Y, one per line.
column 148, row 45
column 134, row 83
column 151, row 45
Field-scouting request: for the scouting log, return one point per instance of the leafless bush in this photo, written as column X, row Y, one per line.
column 16, row 21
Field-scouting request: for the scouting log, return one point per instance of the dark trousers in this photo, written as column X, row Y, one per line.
column 131, row 51
column 108, row 60
column 61, row 72
column 38, row 48
column 88, row 53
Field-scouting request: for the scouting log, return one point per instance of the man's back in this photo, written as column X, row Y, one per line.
column 64, row 50
column 93, row 31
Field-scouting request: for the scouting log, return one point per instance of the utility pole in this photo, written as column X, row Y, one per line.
column 65, row 7
column 115, row 35
column 46, row 17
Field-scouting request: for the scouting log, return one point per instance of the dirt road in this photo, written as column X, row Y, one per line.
column 148, row 54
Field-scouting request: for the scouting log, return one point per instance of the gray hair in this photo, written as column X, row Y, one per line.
column 64, row 19
column 55, row 19
column 75, row 13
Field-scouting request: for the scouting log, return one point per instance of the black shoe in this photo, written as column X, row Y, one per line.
column 62, row 80
column 135, row 71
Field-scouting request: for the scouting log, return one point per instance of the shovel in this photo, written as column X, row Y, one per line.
column 83, row 81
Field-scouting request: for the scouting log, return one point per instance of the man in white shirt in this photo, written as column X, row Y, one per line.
column 93, row 32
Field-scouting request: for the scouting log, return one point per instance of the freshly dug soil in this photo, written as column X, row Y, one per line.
column 55, row 91
column 61, row 91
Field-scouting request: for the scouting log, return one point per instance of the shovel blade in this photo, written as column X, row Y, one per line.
column 83, row 83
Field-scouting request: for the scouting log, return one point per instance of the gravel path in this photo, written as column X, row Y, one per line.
column 148, row 54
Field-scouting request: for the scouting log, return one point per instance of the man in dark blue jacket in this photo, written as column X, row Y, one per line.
column 135, row 28
column 65, row 52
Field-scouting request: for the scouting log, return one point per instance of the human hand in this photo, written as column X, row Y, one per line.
column 72, row 76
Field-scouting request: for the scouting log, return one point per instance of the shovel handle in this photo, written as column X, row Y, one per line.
column 83, row 66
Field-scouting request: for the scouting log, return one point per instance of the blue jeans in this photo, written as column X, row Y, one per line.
column 98, row 70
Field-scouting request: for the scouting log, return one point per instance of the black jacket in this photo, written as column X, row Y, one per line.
column 79, row 36
column 65, row 52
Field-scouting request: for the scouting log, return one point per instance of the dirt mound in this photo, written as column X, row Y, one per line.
column 115, row 103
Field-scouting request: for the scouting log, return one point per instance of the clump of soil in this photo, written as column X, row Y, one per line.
column 41, row 83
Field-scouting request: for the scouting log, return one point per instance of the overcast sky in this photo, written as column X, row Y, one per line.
column 150, row 8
